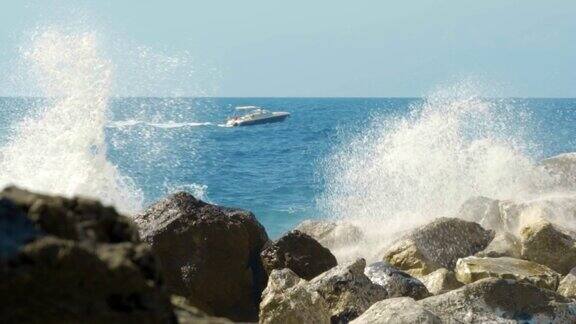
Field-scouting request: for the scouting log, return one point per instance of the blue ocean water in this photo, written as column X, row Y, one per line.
column 275, row 170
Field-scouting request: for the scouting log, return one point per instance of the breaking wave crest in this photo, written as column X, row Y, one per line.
column 61, row 149
column 404, row 171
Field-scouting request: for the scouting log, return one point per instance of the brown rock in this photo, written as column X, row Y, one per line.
column 209, row 254
column 299, row 253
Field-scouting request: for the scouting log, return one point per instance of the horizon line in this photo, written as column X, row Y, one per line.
column 280, row 97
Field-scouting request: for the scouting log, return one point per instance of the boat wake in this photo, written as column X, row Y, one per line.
column 170, row 124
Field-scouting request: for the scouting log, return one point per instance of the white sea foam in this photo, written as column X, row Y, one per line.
column 405, row 171
column 61, row 149
column 168, row 124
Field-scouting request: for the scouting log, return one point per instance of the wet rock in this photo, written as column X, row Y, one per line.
column 472, row 269
column 402, row 310
column 511, row 216
column 503, row 245
column 209, row 254
column 396, row 282
column 287, row 299
column 441, row 281
column 91, row 269
column 563, row 168
column 567, row 286
column 500, row 300
column 348, row 292
column 550, row 245
column 339, row 237
column 437, row 245
column 298, row 252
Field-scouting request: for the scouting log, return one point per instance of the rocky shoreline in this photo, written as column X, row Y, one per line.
column 187, row 261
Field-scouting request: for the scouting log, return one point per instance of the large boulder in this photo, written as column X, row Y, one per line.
column 503, row 245
column 348, row 292
column 441, row 281
column 397, row 283
column 567, row 286
column 340, row 237
column 287, row 299
column 73, row 261
column 209, row 254
column 495, row 300
column 511, row 216
column 563, row 168
column 550, row 245
column 401, row 310
column 472, row 269
column 438, row 244
column 298, row 252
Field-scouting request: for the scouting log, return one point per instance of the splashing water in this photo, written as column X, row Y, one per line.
column 62, row 148
column 403, row 172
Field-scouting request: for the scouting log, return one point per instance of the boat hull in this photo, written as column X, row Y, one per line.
column 267, row 120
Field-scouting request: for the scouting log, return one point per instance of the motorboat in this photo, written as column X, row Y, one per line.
column 256, row 115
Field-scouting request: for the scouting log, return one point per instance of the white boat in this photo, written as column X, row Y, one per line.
column 255, row 116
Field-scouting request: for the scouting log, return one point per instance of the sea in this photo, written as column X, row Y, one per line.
column 383, row 164
column 278, row 171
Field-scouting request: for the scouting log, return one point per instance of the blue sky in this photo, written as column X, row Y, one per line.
column 316, row 48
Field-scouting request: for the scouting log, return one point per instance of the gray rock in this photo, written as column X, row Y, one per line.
column 335, row 236
column 550, row 245
column 501, row 301
column 397, row 283
column 298, row 252
column 567, row 287
column 189, row 314
column 503, row 245
column 209, row 254
column 347, row 291
column 437, row 245
column 441, row 281
column 472, row 269
column 287, row 299
column 402, row 310
column 563, row 168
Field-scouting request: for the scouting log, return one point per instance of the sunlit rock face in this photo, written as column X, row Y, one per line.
column 402, row 310
column 567, row 287
column 503, row 245
column 397, row 283
column 436, row 245
column 441, row 281
column 287, row 299
column 495, row 300
column 472, row 269
column 550, row 245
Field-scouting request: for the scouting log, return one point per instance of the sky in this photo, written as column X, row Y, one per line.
column 262, row 48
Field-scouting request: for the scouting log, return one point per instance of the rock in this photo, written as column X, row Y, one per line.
column 189, row 314
column 441, row 281
column 402, row 310
column 550, row 245
column 91, row 268
column 209, row 254
column 472, row 269
column 339, row 237
column 511, row 216
column 287, row 299
column 437, row 245
column 396, row 282
column 503, row 245
column 501, row 300
column 348, row 292
column 298, row 252
column 567, row 286
column 563, row 168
